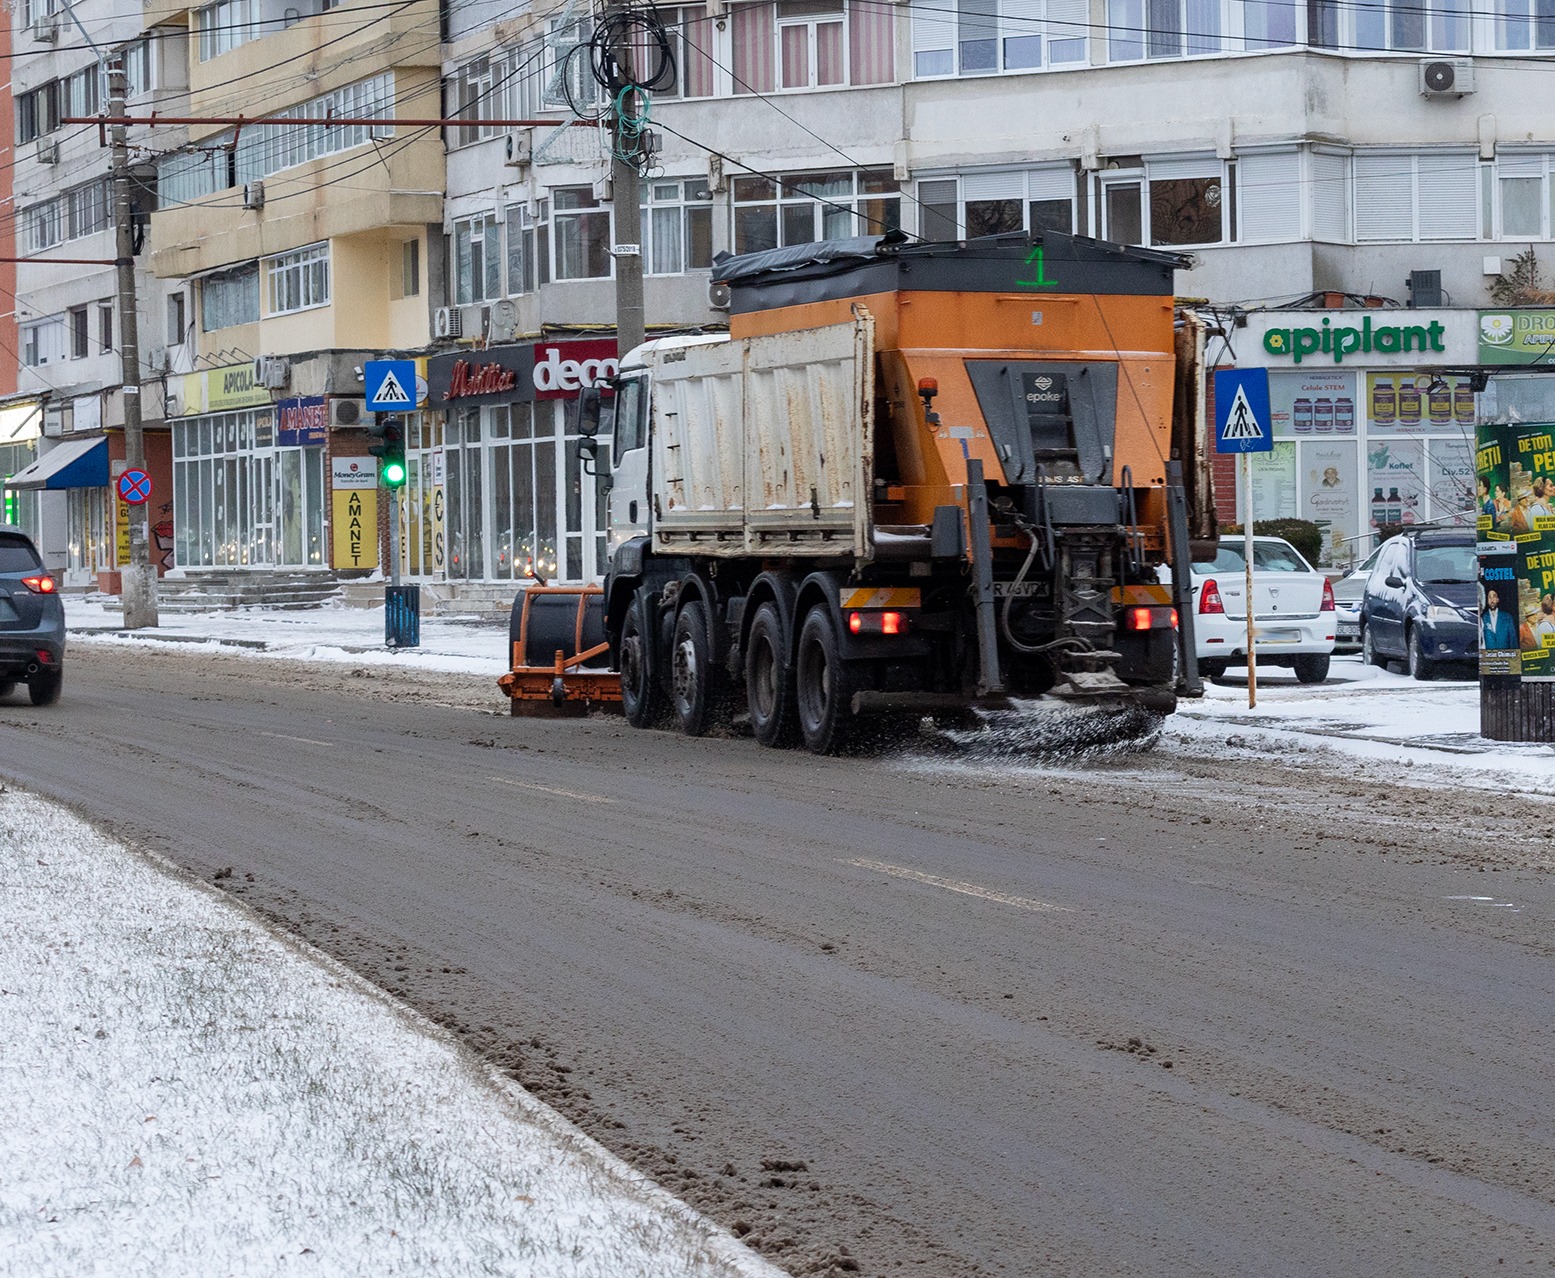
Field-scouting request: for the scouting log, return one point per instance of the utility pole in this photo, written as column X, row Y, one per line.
column 138, row 576
column 626, row 194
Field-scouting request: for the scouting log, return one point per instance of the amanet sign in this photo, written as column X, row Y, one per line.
column 1335, row 341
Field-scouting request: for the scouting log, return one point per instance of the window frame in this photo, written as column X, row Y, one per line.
column 297, row 280
column 224, row 25
column 786, row 199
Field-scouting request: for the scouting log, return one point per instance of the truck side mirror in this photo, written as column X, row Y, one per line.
column 588, row 409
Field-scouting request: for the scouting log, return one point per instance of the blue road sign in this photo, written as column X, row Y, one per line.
column 390, row 385
column 135, row 487
column 1243, row 423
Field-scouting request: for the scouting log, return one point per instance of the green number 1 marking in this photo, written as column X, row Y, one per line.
column 1039, row 274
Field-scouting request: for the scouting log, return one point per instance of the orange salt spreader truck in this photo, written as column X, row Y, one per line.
column 913, row 479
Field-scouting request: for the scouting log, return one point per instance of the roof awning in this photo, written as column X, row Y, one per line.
column 76, row 463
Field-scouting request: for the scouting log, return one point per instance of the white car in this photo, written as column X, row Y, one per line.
column 1349, row 590
column 1293, row 612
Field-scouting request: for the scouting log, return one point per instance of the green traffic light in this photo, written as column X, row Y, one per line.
column 393, row 473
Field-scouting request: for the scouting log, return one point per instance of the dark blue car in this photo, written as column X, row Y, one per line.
column 1421, row 604
column 32, row 621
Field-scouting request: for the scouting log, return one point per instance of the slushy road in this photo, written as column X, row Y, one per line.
column 1171, row 1015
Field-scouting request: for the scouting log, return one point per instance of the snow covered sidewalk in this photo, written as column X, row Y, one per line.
column 182, row 1093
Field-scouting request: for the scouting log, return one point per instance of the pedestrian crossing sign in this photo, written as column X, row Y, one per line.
column 1243, row 423
column 390, row 385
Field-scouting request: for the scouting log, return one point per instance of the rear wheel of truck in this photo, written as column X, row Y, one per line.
column 691, row 671
column 642, row 701
column 769, row 680
column 823, row 687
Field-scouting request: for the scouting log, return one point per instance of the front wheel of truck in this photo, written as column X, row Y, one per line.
column 824, row 687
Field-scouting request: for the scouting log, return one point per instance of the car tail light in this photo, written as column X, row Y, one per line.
column 1209, row 599
column 40, row 585
column 1328, row 597
column 45, row 657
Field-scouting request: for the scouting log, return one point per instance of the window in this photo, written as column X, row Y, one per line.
column 410, row 268
column 229, row 297
column 582, row 234
column 471, row 97
column 86, row 210
column 1187, row 209
column 43, row 342
column 691, row 35
column 677, row 227
column 477, row 261
column 981, row 37
column 813, row 206
column 1388, row 187
column 1525, row 24
column 78, row 93
column 802, row 44
column 37, row 112
column 177, row 321
column 582, row 90
column 42, row 226
column 298, row 281
column 104, row 328
column 78, row 321
column 1172, row 201
column 1033, row 200
column 1419, row 26
column 529, row 247
column 224, row 26
column 139, row 69
column 1518, row 198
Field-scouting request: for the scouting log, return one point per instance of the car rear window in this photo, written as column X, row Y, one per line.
column 1276, row 556
column 1227, row 559
column 17, row 555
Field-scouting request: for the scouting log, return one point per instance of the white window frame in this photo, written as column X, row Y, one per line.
column 475, row 243
column 1372, row 166
column 224, row 26
column 1028, row 185
column 667, row 251
column 44, row 342
column 1062, row 28
column 297, row 281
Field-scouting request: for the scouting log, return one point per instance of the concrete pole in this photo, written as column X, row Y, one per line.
column 139, row 577
column 626, row 194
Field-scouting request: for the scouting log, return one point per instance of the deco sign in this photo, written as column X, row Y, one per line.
column 1299, row 343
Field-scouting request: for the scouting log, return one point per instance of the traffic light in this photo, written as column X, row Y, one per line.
column 388, row 445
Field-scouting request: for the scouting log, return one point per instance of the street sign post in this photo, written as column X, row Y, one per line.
column 1244, row 424
column 134, row 487
column 391, row 386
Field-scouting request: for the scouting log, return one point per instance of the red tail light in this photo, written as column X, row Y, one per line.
column 1176, row 620
column 40, row 585
column 856, row 622
column 1328, row 597
column 1136, row 619
column 877, row 623
column 891, row 623
column 1209, row 599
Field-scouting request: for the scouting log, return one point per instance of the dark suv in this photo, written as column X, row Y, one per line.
column 32, row 621
column 1421, row 604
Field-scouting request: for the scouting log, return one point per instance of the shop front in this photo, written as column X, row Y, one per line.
column 21, row 426
column 495, row 491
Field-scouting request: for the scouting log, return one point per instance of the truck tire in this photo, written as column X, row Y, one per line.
column 691, row 671
column 769, row 680
column 823, row 687
column 642, row 700
column 1311, row 667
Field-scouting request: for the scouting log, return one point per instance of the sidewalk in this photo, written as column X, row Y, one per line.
column 185, row 1094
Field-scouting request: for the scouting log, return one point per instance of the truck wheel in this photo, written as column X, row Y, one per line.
column 824, row 690
column 691, row 671
column 769, row 680
column 642, row 701
column 1311, row 667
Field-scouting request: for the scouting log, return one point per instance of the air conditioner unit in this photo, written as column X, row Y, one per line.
column 345, row 412
column 717, row 295
column 503, row 324
column 1446, row 77
column 520, row 148
column 447, row 321
column 272, row 373
column 604, row 190
column 45, row 28
column 48, row 151
column 253, row 195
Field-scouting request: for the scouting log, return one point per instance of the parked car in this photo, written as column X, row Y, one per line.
column 1421, row 605
column 1293, row 610
column 32, row 621
column 1349, row 590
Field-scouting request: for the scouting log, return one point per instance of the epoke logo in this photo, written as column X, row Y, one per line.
column 1044, row 383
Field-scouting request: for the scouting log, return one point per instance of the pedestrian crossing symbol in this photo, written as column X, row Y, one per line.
column 390, row 385
column 1243, row 423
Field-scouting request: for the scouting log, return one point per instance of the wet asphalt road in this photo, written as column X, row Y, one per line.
column 1173, row 1015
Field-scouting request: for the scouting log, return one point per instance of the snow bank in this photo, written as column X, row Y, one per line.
column 184, row 1093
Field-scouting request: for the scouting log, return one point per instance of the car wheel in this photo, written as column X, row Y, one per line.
column 691, row 671
column 824, row 691
column 642, row 700
column 44, row 689
column 1311, row 667
column 1369, row 654
column 1212, row 668
column 1420, row 666
column 769, row 680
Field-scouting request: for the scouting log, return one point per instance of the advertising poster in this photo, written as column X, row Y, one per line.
column 1330, row 493
column 1531, row 470
column 1523, row 336
column 1313, row 405
column 1395, row 475
column 1419, row 404
column 1535, row 606
column 1493, row 490
column 1500, row 646
column 1274, row 482
column 1450, row 469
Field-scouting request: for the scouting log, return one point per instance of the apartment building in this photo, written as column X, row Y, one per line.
column 61, row 427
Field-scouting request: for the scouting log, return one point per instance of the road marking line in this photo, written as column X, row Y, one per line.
column 551, row 789
column 950, row 885
column 281, row 736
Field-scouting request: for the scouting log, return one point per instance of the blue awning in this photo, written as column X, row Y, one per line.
column 76, row 463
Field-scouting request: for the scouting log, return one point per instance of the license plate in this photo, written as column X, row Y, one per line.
column 1279, row 636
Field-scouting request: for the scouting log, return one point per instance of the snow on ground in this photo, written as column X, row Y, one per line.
column 332, row 633
column 184, row 1094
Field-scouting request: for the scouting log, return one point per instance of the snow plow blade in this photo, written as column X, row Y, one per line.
column 560, row 660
